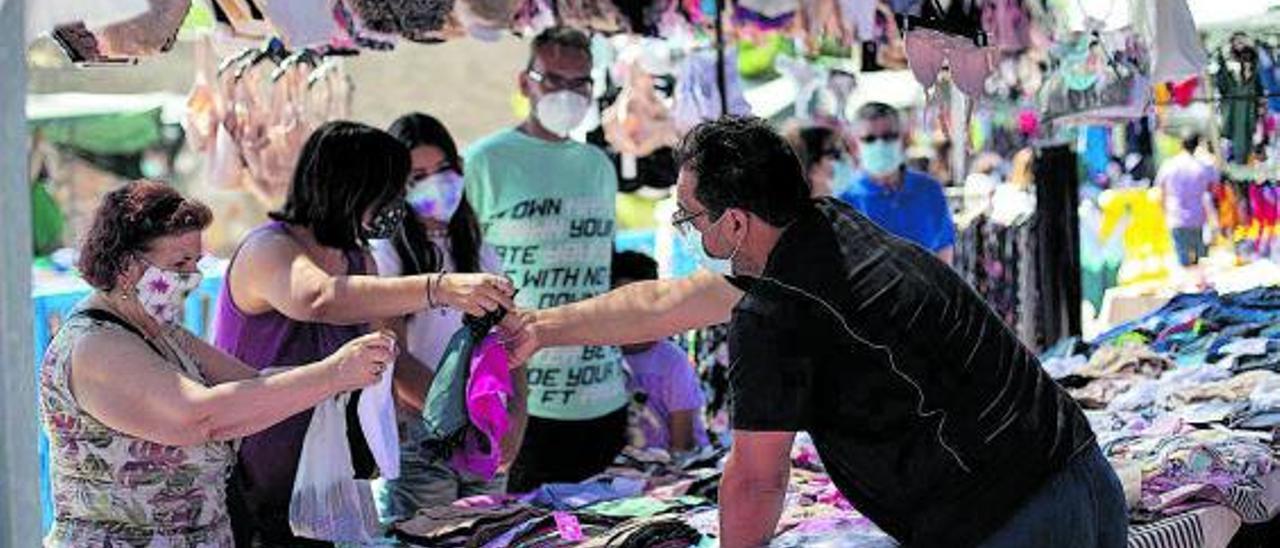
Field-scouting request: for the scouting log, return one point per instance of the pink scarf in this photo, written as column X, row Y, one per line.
column 488, row 389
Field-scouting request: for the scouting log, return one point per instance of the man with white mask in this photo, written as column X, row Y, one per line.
column 546, row 205
column 907, row 203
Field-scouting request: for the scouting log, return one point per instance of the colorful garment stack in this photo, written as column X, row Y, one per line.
column 1185, row 402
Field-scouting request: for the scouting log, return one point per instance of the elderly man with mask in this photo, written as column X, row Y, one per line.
column 546, row 204
column 929, row 414
column 907, row 203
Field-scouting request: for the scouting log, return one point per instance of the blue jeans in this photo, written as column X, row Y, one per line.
column 1081, row 506
column 1189, row 242
column 426, row 480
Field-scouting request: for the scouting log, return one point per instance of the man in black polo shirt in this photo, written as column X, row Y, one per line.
column 929, row 414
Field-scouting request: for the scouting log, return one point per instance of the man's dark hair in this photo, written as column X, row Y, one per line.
column 875, row 111
column 345, row 170
column 811, row 144
column 560, row 37
column 632, row 266
column 743, row 163
column 1190, row 141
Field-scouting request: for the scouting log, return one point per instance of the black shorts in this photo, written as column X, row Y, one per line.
column 557, row 451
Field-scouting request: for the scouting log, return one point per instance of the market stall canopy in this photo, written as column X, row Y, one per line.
column 1207, row 13
column 103, row 123
column 1236, row 14
column 1253, row 23
column 896, row 88
column 44, row 15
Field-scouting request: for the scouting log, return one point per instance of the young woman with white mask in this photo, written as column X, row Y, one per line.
column 441, row 235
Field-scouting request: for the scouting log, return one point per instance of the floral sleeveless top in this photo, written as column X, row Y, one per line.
column 113, row 489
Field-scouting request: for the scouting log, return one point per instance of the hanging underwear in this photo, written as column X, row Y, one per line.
column 970, row 65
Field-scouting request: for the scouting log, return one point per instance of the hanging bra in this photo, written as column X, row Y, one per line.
column 970, row 65
column 945, row 41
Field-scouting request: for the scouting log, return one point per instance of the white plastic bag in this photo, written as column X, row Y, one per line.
column 377, row 413
column 328, row 502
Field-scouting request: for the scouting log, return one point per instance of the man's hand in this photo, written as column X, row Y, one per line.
column 519, row 332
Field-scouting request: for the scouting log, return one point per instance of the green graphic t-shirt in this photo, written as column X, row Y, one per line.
column 548, row 210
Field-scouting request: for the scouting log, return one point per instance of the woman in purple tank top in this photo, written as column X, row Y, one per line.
column 302, row 285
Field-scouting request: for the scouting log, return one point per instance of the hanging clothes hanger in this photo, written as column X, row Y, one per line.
column 272, row 50
column 307, row 57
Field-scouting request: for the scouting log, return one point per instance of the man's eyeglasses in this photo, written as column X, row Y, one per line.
column 887, row 137
column 554, row 82
column 682, row 220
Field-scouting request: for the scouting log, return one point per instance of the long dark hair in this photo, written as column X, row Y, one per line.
column 416, row 250
column 345, row 170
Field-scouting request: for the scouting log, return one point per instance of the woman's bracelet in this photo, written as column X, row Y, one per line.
column 433, row 285
column 430, row 300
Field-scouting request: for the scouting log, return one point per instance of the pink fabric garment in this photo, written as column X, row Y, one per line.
column 1262, row 202
column 1270, row 217
column 970, row 65
column 1029, row 122
column 1183, row 92
column 488, row 389
column 1265, row 208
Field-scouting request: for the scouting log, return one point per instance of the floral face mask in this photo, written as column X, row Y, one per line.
column 163, row 293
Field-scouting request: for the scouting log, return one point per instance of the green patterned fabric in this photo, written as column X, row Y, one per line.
column 47, row 221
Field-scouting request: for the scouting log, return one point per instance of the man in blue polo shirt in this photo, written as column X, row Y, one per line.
column 905, row 202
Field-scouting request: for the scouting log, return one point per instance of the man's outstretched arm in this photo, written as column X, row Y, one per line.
column 638, row 312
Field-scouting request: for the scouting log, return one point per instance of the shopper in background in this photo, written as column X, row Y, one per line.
column 931, row 416
column 140, row 412
column 441, row 234
column 301, row 286
column 1184, row 183
column 903, row 201
column 1016, row 198
column 939, row 153
column 660, row 377
column 824, row 157
column 981, row 183
column 546, row 204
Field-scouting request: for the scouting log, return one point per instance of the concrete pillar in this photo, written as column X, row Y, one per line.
column 959, row 136
column 19, row 467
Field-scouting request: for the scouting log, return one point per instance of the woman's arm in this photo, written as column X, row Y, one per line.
column 217, row 366
column 638, row 312
column 412, row 377
column 118, row 380
column 681, row 428
column 274, row 272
